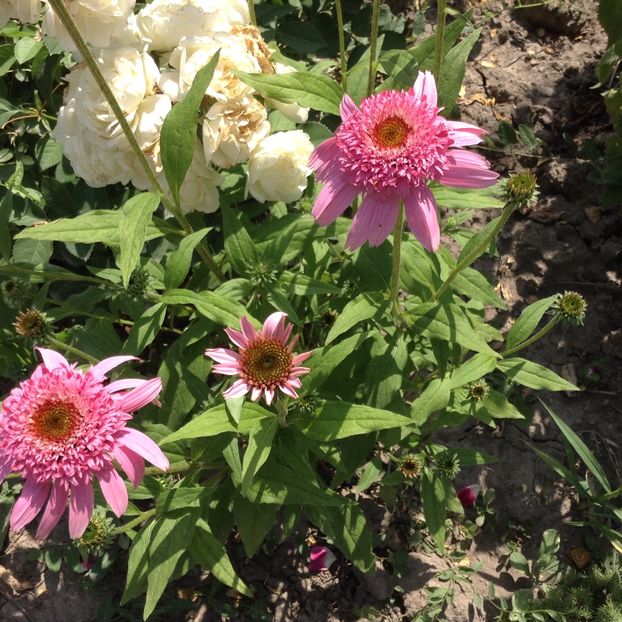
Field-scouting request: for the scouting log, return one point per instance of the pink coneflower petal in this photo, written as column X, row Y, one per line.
column 347, row 108
column 142, row 445
column 334, row 198
column 53, row 510
column 29, row 504
column 238, row 338
column 131, row 463
column 64, row 427
column 114, row 491
column 388, row 150
column 468, row 495
column 426, row 87
column 422, row 217
column 374, row 220
column 5, row 469
column 103, row 367
column 80, row 508
column 321, row 558
column 52, row 359
column 140, row 396
column 266, row 363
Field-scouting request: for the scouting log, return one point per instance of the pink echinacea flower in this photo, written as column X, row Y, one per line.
column 62, row 428
column 388, row 149
column 265, row 361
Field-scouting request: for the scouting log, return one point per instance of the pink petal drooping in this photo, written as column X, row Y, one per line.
column 265, row 361
column 63, row 428
column 388, row 150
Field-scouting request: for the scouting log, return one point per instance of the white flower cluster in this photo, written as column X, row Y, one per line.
column 149, row 60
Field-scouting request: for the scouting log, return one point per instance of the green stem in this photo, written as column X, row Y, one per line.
column 178, row 467
column 91, row 62
column 372, row 47
column 71, row 349
column 535, row 337
column 475, row 252
column 342, row 45
column 251, row 11
column 134, row 522
column 440, row 36
column 395, row 269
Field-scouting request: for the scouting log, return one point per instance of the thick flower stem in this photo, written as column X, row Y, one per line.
column 134, row 522
column 395, row 270
column 251, row 12
column 440, row 35
column 91, row 62
column 178, row 467
column 536, row 337
column 477, row 251
column 342, row 45
column 70, row 349
column 372, row 47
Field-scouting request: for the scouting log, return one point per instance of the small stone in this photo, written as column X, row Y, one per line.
column 593, row 214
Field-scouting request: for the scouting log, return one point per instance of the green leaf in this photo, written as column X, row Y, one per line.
column 216, row 421
column 135, row 217
column 145, row 329
column 304, row 38
column 434, row 498
column 582, row 450
column 26, row 49
column 469, row 282
column 254, row 522
column 335, row 420
column 260, row 439
column 210, row 553
column 456, row 198
column 534, row 376
column 527, row 322
column 498, row 407
column 449, row 323
column 49, row 153
column 179, row 499
column 171, row 538
column 475, row 368
column 239, row 245
column 348, row 530
column 178, row 136
column 470, row 248
column 434, row 397
column 94, row 226
column 452, row 70
column 610, row 16
column 362, row 308
column 302, row 285
column 305, row 89
column 323, row 361
column 32, row 252
column 179, row 261
column 138, row 563
column 210, row 305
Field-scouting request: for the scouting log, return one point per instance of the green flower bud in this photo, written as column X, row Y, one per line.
column 572, row 307
column 31, row 323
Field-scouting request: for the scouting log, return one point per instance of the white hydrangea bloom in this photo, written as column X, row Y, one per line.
column 279, row 166
column 163, row 23
column 232, row 129
column 292, row 111
column 193, row 53
column 23, row 10
column 101, row 22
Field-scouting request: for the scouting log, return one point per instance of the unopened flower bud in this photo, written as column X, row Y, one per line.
column 572, row 307
column 31, row 323
column 139, row 280
column 411, row 465
column 98, row 535
column 477, row 391
column 521, row 188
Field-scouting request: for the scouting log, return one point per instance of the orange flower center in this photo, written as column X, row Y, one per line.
column 266, row 362
column 55, row 421
column 392, row 132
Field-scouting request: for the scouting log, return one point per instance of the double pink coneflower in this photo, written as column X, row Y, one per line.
column 387, row 150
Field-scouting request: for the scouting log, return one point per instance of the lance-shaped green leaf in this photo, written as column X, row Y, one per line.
column 145, row 329
column 434, row 498
column 534, row 376
column 362, row 308
column 305, row 89
column 498, row 407
column 254, row 522
column 135, row 217
column 528, row 320
column 477, row 366
column 207, row 551
column 210, row 305
column 260, row 439
column 239, row 245
column 456, row 198
column 434, row 397
column 178, row 136
column 582, row 450
column 138, row 564
column 179, row 261
column 335, row 420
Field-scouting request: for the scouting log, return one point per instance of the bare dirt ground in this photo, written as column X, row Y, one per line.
column 533, row 67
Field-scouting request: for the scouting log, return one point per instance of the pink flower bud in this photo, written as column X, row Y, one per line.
column 320, row 558
column 468, row 495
